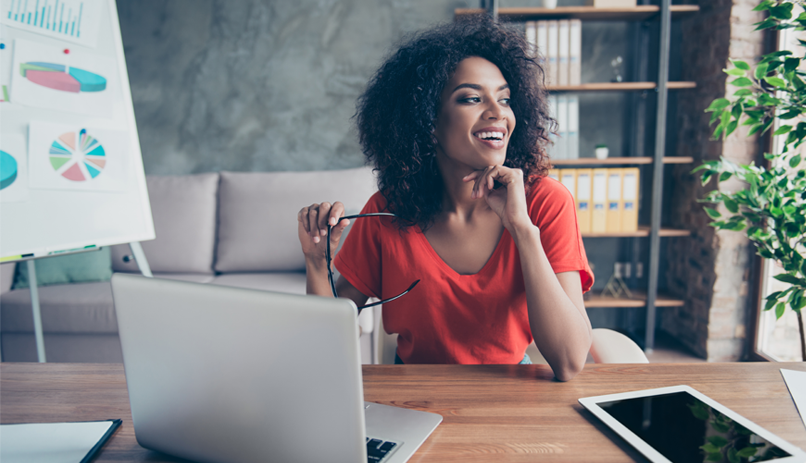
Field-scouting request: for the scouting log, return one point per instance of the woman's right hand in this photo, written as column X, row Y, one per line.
column 312, row 229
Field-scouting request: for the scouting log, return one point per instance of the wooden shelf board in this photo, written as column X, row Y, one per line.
column 618, row 87
column 643, row 231
column 637, row 160
column 638, row 300
column 637, row 13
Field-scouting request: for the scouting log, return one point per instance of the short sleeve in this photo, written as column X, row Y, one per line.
column 360, row 257
column 553, row 210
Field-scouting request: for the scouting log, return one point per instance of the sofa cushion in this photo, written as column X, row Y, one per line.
column 83, row 267
column 73, row 308
column 281, row 282
column 184, row 212
column 257, row 214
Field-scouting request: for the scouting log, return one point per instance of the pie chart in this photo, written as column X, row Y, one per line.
column 8, row 170
column 61, row 77
column 77, row 156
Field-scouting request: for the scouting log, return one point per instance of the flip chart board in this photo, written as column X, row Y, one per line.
column 71, row 170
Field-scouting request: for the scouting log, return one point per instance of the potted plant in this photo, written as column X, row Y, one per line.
column 771, row 209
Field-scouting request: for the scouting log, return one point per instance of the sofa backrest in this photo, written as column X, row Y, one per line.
column 184, row 212
column 257, row 214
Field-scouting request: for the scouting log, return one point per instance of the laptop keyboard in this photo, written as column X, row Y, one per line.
column 378, row 450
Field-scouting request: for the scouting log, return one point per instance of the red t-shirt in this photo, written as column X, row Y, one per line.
column 453, row 318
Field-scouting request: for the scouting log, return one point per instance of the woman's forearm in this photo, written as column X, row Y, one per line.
column 317, row 282
column 560, row 328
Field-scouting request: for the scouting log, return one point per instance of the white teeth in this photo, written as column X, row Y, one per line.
column 497, row 135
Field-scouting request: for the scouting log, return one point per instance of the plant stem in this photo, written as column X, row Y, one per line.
column 802, row 336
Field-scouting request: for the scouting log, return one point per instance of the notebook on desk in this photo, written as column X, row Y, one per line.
column 220, row 374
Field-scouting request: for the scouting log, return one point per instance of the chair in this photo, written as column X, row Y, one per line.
column 613, row 347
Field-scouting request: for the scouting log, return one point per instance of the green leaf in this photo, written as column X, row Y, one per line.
column 795, row 161
column 734, row 72
column 746, row 452
column 730, row 204
column 713, row 213
column 716, row 456
column 774, row 81
column 743, row 82
column 743, row 92
column 736, row 111
column 719, row 441
column 770, row 303
column 779, row 310
column 718, row 104
column 791, row 279
column 783, row 129
column 776, row 212
column 731, row 127
column 721, row 427
column 732, row 458
column 790, row 114
column 791, row 64
column 741, row 65
column 710, row 448
column 761, row 71
column 783, row 11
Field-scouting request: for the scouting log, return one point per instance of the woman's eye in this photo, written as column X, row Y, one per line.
column 505, row 101
column 472, row 99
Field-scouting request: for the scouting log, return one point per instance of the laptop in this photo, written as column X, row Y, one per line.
column 222, row 374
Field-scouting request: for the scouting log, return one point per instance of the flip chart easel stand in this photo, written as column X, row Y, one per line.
column 139, row 257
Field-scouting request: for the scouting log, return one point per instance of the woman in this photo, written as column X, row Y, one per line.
column 456, row 124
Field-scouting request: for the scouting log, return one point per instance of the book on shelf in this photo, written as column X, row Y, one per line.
column 551, row 148
column 575, row 59
column 583, row 199
column 629, row 195
column 542, row 37
column 564, row 53
column 561, row 147
column 554, row 174
column 568, row 177
column 553, row 53
column 572, row 144
column 599, row 212
column 614, row 201
column 531, row 37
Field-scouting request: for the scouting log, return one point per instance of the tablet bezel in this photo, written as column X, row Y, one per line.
column 592, row 405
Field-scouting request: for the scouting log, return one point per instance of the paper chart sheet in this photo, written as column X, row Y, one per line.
column 13, row 168
column 72, row 20
column 77, row 82
column 73, row 157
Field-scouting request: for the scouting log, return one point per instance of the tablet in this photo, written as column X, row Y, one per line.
column 680, row 425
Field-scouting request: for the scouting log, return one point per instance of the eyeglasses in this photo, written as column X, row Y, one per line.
column 329, row 259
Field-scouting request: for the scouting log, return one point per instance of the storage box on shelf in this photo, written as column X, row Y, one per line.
column 648, row 297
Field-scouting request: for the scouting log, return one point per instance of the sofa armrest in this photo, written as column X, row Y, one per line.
column 7, row 276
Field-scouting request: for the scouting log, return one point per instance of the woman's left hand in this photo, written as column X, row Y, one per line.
column 508, row 200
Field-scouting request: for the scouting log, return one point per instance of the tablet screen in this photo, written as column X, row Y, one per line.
column 684, row 429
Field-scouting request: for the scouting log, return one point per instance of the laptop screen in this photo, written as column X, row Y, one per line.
column 685, row 429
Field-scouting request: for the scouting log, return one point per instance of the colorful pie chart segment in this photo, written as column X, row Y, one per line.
column 77, row 156
column 61, row 77
column 8, row 170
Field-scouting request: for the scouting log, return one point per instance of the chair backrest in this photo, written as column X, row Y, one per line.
column 610, row 346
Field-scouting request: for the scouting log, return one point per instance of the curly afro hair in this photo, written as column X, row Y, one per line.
column 397, row 112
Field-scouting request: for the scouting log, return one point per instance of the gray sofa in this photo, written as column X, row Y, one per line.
column 231, row 229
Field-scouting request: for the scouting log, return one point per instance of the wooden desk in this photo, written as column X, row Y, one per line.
column 491, row 413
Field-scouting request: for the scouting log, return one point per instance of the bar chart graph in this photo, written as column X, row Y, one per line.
column 67, row 19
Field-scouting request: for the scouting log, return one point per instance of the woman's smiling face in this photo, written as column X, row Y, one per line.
column 475, row 121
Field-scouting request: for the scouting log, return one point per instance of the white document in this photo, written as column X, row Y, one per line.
column 553, row 52
column 72, row 20
column 561, row 147
column 79, row 82
column 13, row 168
column 575, row 63
column 796, row 382
column 572, row 146
column 542, row 35
column 531, row 37
column 73, row 157
column 564, row 52
column 50, row 442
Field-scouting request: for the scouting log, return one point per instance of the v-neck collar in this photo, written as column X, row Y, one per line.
column 450, row 270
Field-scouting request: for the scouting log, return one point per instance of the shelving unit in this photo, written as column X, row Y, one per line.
column 649, row 298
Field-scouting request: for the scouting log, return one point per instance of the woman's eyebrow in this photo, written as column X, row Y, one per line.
column 477, row 87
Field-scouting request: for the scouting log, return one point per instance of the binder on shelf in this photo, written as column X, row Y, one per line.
column 553, row 53
column 583, row 199
column 531, row 37
column 575, row 45
column 542, row 34
column 568, row 177
column 564, row 54
column 629, row 195
column 561, row 147
column 599, row 212
column 551, row 148
column 614, row 200
column 572, row 144
column 555, row 174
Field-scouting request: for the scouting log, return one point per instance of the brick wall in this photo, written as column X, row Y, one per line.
column 712, row 269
